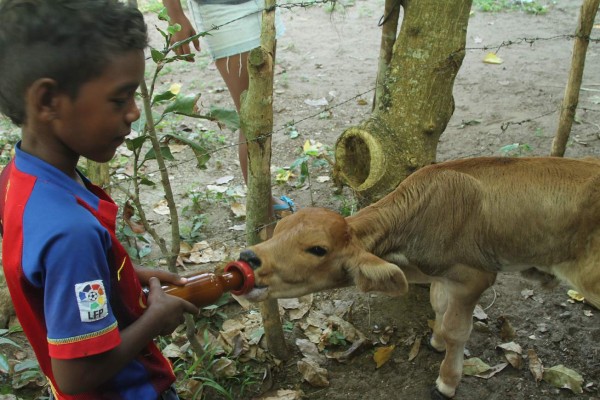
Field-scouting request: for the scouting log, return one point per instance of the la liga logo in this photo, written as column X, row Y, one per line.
column 91, row 300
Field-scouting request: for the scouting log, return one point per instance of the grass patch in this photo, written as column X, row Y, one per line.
column 528, row 6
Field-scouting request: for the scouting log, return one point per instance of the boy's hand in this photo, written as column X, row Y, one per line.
column 144, row 275
column 165, row 309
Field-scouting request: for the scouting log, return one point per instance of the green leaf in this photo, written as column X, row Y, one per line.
column 168, row 95
column 26, row 365
column 202, row 154
column 173, row 29
column 298, row 162
column 144, row 251
column 227, row 117
column 128, row 232
column 4, row 340
column 147, row 182
column 132, row 251
column 304, row 174
column 212, row 384
column 164, row 34
column 157, row 56
column 4, row 365
column 163, row 15
column 164, row 150
column 135, row 143
column 184, row 105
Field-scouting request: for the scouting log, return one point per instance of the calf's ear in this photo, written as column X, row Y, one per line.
column 372, row 274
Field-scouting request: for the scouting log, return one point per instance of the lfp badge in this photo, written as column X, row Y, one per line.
column 91, row 299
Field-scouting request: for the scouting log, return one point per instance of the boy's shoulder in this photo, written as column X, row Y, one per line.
column 50, row 200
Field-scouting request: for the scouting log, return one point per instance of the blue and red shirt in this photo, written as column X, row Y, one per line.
column 71, row 281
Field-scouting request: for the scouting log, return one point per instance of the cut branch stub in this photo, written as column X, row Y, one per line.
column 360, row 159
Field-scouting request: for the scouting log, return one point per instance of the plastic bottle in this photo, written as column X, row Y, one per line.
column 206, row 288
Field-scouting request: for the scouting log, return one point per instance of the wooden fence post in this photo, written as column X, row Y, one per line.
column 256, row 121
column 589, row 8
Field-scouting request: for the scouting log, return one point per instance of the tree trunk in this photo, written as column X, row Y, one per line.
column 587, row 14
column 256, row 121
column 403, row 132
column 98, row 173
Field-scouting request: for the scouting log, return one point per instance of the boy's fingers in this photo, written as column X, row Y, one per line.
column 154, row 283
column 190, row 308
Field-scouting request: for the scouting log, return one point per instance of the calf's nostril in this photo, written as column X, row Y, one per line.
column 251, row 258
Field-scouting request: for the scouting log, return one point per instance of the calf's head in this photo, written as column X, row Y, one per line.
column 313, row 250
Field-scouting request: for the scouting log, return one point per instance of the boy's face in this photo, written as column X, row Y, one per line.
column 96, row 122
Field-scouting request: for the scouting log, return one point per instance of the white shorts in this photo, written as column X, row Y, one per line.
column 236, row 37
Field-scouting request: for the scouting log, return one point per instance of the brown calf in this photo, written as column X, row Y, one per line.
column 454, row 225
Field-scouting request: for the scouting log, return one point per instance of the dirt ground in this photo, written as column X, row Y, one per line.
column 514, row 104
column 333, row 56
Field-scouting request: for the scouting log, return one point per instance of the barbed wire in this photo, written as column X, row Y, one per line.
column 530, row 41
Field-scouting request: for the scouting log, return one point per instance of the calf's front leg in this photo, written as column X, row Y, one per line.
column 458, row 295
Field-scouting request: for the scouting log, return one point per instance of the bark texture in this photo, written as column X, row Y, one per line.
column 403, row 132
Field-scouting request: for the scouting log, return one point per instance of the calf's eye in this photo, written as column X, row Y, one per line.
column 317, row 251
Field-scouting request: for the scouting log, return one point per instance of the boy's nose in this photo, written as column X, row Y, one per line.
column 133, row 114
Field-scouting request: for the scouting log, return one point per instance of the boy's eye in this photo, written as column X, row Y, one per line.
column 119, row 101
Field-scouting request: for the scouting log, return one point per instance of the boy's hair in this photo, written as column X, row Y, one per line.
column 70, row 41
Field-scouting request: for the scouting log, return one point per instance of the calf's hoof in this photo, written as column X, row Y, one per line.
column 437, row 395
column 432, row 347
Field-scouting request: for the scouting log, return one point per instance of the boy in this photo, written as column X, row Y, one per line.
column 69, row 70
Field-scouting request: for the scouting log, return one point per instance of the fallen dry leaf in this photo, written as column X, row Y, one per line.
column 238, row 209
column 414, row 350
column 492, row 58
column 383, row 354
column 535, row 366
column 128, row 213
column 177, row 148
column 161, row 208
column 507, row 332
column 312, row 373
column 309, row 351
column 173, row 351
column 564, row 378
column 492, row 371
column 224, row 368
column 575, row 295
column 475, row 366
column 224, row 179
column 479, row 314
column 296, row 307
column 283, row 394
column 512, row 352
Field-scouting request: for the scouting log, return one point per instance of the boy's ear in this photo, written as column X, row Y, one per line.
column 43, row 99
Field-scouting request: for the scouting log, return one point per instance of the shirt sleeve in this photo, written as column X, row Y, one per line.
column 74, row 271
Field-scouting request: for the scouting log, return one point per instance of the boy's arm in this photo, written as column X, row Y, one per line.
column 177, row 16
column 163, row 315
